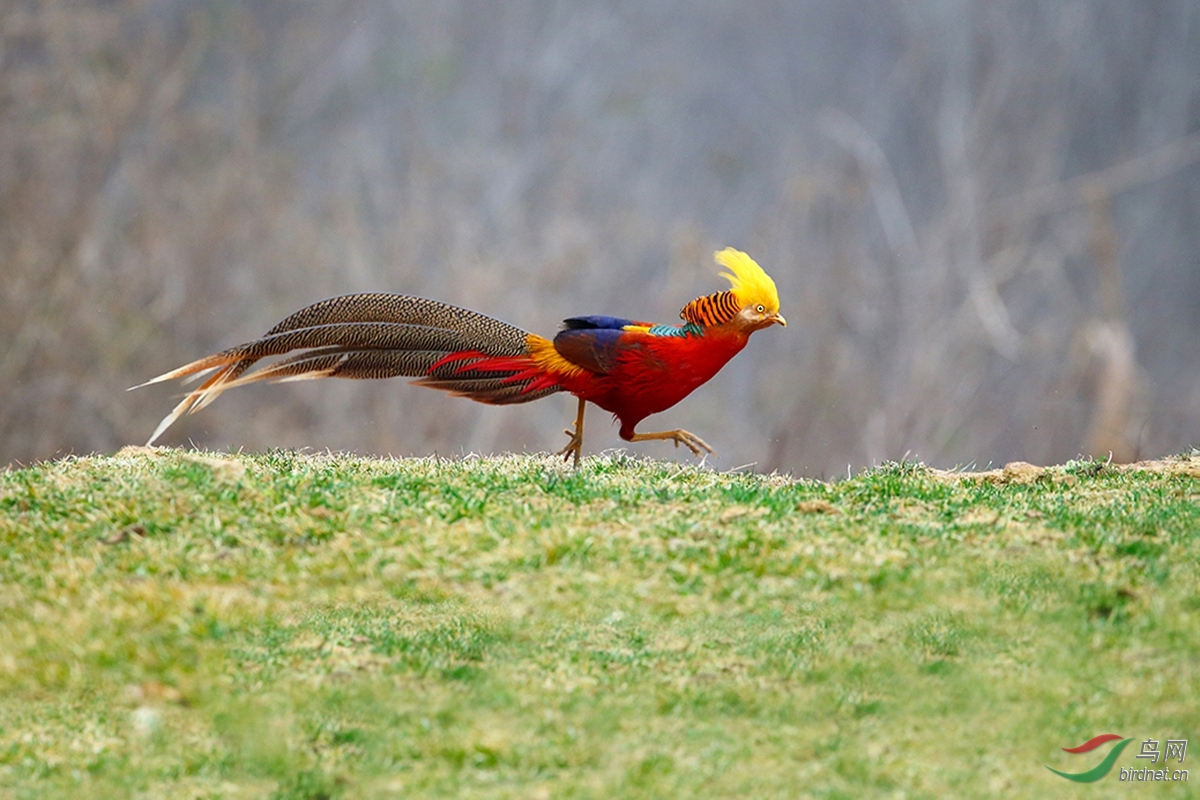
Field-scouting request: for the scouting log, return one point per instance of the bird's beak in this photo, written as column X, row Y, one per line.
column 778, row 319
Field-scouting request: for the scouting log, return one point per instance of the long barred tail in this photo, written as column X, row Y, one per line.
column 376, row 336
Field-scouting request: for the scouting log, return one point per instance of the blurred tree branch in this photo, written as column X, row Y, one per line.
column 1104, row 183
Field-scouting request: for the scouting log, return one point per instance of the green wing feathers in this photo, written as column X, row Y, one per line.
column 367, row 336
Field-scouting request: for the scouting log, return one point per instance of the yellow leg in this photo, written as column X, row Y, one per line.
column 693, row 442
column 576, row 444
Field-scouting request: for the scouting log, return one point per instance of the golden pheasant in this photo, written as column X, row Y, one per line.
column 632, row 369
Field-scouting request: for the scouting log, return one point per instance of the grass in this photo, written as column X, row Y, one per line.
column 183, row 624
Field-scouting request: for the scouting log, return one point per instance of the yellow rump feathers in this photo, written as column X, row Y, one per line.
column 751, row 286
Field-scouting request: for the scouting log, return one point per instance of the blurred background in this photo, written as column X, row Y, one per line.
column 982, row 215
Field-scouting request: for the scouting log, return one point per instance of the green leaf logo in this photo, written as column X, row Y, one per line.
column 1100, row 770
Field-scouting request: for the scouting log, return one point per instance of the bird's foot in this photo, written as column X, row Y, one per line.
column 693, row 442
column 574, row 446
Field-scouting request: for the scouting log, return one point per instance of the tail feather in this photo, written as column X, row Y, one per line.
column 331, row 362
column 188, row 372
column 408, row 310
column 335, row 336
column 367, row 336
column 195, row 400
column 493, row 391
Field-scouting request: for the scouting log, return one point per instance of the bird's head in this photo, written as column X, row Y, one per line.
column 752, row 288
column 751, row 304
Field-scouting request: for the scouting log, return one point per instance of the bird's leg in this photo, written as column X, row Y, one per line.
column 576, row 444
column 679, row 436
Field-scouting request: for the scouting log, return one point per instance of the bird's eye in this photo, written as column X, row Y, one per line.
column 760, row 309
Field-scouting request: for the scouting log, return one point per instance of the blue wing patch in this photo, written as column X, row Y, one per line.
column 598, row 322
column 591, row 348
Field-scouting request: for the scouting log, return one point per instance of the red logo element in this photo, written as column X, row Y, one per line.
column 1092, row 744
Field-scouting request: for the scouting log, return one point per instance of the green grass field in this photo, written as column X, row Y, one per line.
column 184, row 625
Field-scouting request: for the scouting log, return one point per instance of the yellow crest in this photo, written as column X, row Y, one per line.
column 751, row 286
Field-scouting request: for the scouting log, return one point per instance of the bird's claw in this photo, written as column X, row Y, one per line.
column 694, row 443
column 574, row 446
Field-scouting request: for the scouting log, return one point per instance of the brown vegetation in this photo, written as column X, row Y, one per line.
column 980, row 216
